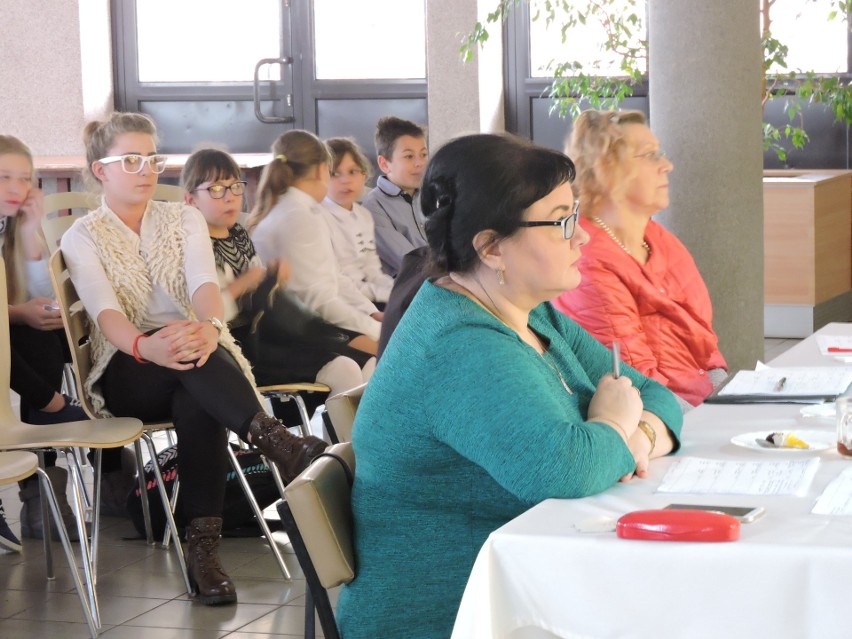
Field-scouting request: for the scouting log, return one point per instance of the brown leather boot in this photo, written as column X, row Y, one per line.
column 206, row 576
column 291, row 453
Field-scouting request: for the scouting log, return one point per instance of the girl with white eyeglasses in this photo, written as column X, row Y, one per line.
column 145, row 273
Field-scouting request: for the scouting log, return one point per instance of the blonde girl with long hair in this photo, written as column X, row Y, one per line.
column 37, row 342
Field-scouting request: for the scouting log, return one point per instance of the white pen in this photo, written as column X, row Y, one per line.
column 616, row 360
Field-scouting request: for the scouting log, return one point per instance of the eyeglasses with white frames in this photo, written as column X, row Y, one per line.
column 568, row 223
column 133, row 162
column 217, row 191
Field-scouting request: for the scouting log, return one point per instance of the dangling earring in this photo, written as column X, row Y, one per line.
column 501, row 280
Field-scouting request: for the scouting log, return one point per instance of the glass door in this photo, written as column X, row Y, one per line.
column 241, row 73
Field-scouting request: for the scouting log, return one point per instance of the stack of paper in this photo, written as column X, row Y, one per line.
column 792, row 384
column 700, row 476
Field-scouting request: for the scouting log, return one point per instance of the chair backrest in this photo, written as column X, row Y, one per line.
column 319, row 499
column 341, row 410
column 77, row 327
column 53, row 225
column 79, row 203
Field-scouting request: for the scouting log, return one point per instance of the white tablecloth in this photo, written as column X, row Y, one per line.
column 789, row 575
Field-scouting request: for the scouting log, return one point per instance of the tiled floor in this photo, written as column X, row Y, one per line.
column 142, row 592
column 141, row 588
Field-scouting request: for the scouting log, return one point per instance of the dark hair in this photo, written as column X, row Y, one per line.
column 389, row 129
column 207, row 165
column 480, row 182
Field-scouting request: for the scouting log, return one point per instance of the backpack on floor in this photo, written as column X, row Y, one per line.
column 237, row 515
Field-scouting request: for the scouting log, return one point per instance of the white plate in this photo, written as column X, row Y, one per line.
column 819, row 412
column 817, row 440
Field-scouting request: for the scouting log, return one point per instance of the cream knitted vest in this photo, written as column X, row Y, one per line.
column 133, row 275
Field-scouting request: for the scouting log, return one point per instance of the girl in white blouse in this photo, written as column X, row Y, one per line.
column 289, row 222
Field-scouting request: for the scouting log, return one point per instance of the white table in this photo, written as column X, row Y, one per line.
column 789, row 575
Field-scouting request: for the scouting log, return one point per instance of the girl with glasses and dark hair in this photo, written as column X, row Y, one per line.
column 320, row 352
column 487, row 400
column 640, row 285
column 145, row 273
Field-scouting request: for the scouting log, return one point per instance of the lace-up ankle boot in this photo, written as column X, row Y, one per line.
column 291, row 453
column 206, row 575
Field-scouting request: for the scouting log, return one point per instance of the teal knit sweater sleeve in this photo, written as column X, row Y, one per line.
column 503, row 406
column 596, row 359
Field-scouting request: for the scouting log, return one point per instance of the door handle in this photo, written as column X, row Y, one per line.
column 271, row 119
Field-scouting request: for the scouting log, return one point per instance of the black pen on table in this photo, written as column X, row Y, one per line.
column 779, row 385
column 616, row 360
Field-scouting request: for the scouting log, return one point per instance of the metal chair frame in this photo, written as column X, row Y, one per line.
column 98, row 434
column 317, row 517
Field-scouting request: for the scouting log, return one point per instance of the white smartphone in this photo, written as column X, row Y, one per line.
column 746, row 514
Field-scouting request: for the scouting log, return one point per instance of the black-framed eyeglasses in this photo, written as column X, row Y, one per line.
column 568, row 223
column 217, row 191
column 134, row 163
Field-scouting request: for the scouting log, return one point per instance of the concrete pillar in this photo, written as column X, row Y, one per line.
column 705, row 70
column 462, row 97
column 47, row 94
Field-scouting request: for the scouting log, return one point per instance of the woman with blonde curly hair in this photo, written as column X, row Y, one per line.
column 640, row 285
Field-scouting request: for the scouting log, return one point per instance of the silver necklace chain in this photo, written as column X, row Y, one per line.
column 615, row 239
column 496, row 313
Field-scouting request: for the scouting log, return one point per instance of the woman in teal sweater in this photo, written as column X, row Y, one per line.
column 487, row 400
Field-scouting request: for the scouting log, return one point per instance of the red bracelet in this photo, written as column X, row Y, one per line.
column 136, row 354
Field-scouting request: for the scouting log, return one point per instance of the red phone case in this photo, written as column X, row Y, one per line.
column 678, row 525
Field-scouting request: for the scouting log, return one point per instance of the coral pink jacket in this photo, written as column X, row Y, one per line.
column 660, row 313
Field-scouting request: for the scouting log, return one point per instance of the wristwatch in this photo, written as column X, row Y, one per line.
column 217, row 323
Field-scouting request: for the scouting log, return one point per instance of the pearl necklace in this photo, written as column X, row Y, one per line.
column 496, row 313
column 615, row 239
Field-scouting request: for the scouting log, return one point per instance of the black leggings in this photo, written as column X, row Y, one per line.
column 202, row 403
column 37, row 360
